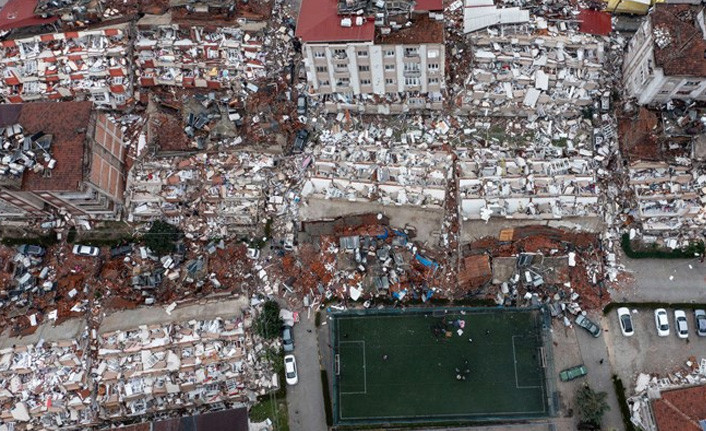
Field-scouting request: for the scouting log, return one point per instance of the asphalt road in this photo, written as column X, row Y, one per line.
column 305, row 400
column 664, row 280
column 600, row 373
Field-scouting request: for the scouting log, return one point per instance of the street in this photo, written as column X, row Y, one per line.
column 305, row 400
column 663, row 280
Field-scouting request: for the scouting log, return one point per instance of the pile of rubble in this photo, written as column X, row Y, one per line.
column 20, row 151
column 534, row 70
column 188, row 56
column 91, row 64
column 157, row 368
column 46, row 384
column 399, row 175
column 204, row 194
column 536, row 265
column 648, row 387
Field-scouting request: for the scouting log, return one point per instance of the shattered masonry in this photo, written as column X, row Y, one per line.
column 87, row 64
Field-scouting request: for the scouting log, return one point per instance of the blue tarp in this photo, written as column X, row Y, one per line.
column 426, row 262
column 384, row 235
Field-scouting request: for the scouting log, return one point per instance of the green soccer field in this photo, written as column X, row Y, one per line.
column 416, row 366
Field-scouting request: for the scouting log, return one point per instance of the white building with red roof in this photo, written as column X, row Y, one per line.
column 374, row 56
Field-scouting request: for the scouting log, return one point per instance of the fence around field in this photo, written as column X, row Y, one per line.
column 546, row 351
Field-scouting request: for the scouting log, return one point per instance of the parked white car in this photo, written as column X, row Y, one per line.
column 86, row 250
column 662, row 322
column 290, row 370
column 625, row 321
column 680, row 325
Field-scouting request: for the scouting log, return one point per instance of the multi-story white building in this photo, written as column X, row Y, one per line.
column 666, row 58
column 388, row 53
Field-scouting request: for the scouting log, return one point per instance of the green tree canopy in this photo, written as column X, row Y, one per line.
column 162, row 237
column 268, row 323
column 591, row 405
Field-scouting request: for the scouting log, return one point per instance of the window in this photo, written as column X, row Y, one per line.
column 321, row 69
column 411, row 81
column 324, row 83
column 664, row 92
column 319, row 54
column 389, row 53
column 341, row 66
column 409, row 67
column 433, row 66
column 364, row 68
column 340, row 53
column 433, row 80
column 364, row 82
column 433, row 53
column 362, row 53
column 389, row 67
column 389, row 81
column 691, row 83
column 411, row 52
column 343, row 82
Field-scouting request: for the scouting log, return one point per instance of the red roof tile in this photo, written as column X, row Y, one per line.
column 319, row 22
column 595, row 22
column 20, row 13
column 67, row 123
column 429, row 5
column 685, row 54
column 680, row 409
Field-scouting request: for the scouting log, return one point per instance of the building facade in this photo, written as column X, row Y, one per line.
column 71, row 161
column 390, row 60
column 665, row 58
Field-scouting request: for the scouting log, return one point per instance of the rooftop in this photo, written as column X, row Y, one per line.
column 680, row 48
column 423, row 30
column 681, row 409
column 20, row 13
column 319, row 22
column 67, row 123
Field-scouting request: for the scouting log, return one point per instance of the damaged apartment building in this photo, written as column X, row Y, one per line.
column 60, row 158
column 536, row 153
column 380, row 56
column 396, row 176
column 198, row 54
column 219, row 193
column 506, row 185
column 518, row 72
column 75, row 65
column 666, row 58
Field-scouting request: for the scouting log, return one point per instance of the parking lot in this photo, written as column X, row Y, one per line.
column 645, row 351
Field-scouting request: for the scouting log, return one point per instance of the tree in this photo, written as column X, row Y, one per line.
column 591, row 406
column 162, row 237
column 268, row 323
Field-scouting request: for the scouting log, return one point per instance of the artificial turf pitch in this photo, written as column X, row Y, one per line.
column 395, row 368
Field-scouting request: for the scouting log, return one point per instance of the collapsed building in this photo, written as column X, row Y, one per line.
column 60, row 158
column 504, row 185
column 180, row 53
column 517, row 72
column 395, row 176
column 665, row 58
column 219, row 192
column 77, row 65
column 374, row 57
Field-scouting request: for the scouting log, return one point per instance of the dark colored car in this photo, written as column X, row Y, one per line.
column 31, row 250
column 287, row 338
column 700, row 322
column 588, row 325
column 573, row 373
column 121, row 250
column 300, row 141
